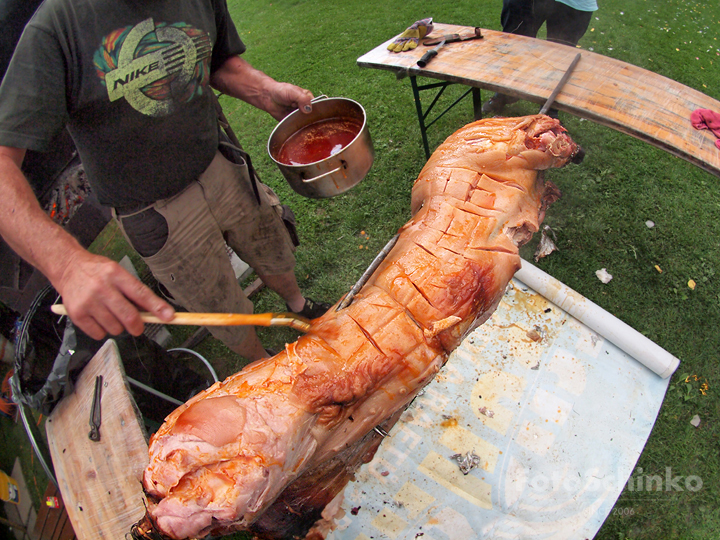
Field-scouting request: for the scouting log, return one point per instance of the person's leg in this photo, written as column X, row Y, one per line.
column 186, row 252
column 567, row 25
column 517, row 17
column 523, row 18
column 542, row 9
column 256, row 232
column 287, row 283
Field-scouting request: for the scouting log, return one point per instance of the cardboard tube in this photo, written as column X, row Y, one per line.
column 627, row 339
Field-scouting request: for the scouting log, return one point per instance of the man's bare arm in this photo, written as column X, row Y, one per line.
column 101, row 297
column 237, row 78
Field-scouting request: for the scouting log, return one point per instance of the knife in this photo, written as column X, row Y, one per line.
column 432, row 53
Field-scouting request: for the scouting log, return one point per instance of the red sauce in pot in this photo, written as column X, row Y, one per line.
column 318, row 141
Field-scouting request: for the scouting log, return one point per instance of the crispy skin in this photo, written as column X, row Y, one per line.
column 268, row 448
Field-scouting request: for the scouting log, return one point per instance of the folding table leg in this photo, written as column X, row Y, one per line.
column 423, row 115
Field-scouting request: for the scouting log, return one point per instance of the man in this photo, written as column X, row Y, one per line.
column 566, row 21
column 132, row 81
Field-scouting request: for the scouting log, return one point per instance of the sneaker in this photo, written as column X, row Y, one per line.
column 312, row 309
column 497, row 103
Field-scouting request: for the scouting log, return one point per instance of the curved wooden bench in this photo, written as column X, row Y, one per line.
column 624, row 97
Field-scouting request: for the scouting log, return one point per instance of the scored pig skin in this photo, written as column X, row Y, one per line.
column 269, row 447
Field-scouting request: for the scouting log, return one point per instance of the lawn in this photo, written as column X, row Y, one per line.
column 600, row 221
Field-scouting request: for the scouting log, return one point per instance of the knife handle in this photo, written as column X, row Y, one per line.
column 425, row 60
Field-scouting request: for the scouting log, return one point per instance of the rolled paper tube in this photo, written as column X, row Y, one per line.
column 623, row 336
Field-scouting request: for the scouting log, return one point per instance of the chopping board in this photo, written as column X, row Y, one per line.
column 99, row 481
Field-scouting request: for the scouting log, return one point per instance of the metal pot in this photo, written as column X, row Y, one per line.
column 336, row 173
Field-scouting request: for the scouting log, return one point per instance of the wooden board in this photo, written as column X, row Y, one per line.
column 624, row 97
column 99, row 481
column 53, row 523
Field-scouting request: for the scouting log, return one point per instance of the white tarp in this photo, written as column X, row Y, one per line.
column 555, row 415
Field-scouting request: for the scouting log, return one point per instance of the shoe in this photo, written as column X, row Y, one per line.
column 312, row 309
column 553, row 113
column 497, row 103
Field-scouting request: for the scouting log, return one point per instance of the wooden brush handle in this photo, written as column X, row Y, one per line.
column 213, row 319
column 198, row 319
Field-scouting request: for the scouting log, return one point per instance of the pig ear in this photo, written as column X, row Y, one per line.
column 550, row 194
column 534, row 160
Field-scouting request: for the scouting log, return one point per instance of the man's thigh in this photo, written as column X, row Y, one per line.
column 186, row 252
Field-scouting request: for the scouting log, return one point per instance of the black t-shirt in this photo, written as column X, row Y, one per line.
column 130, row 80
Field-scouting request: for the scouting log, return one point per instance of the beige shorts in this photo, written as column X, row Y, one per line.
column 183, row 240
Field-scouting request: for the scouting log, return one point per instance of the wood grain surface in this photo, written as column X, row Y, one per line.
column 99, row 481
column 621, row 96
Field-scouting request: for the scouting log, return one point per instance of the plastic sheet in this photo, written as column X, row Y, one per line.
column 549, row 416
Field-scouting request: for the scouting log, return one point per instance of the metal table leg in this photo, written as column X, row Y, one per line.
column 423, row 115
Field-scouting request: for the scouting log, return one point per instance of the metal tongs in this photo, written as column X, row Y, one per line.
column 95, row 410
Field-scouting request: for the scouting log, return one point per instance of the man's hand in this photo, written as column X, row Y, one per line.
column 101, row 297
column 285, row 98
column 237, row 78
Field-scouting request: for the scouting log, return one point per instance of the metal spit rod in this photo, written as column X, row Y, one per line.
column 363, row 279
column 558, row 88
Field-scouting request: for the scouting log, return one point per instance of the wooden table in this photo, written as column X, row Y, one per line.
column 99, row 481
column 624, row 97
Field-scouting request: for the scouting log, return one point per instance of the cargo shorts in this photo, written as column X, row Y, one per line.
column 184, row 239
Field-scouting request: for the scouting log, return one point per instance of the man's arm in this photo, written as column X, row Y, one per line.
column 237, row 78
column 100, row 296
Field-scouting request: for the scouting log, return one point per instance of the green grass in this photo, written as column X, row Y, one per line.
column 599, row 221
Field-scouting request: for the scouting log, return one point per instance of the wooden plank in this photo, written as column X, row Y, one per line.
column 99, row 481
column 53, row 523
column 621, row 96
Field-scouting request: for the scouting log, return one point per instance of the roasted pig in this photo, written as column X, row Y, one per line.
column 268, row 449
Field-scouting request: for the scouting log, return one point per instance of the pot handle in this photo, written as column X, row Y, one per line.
column 323, row 175
column 318, row 98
